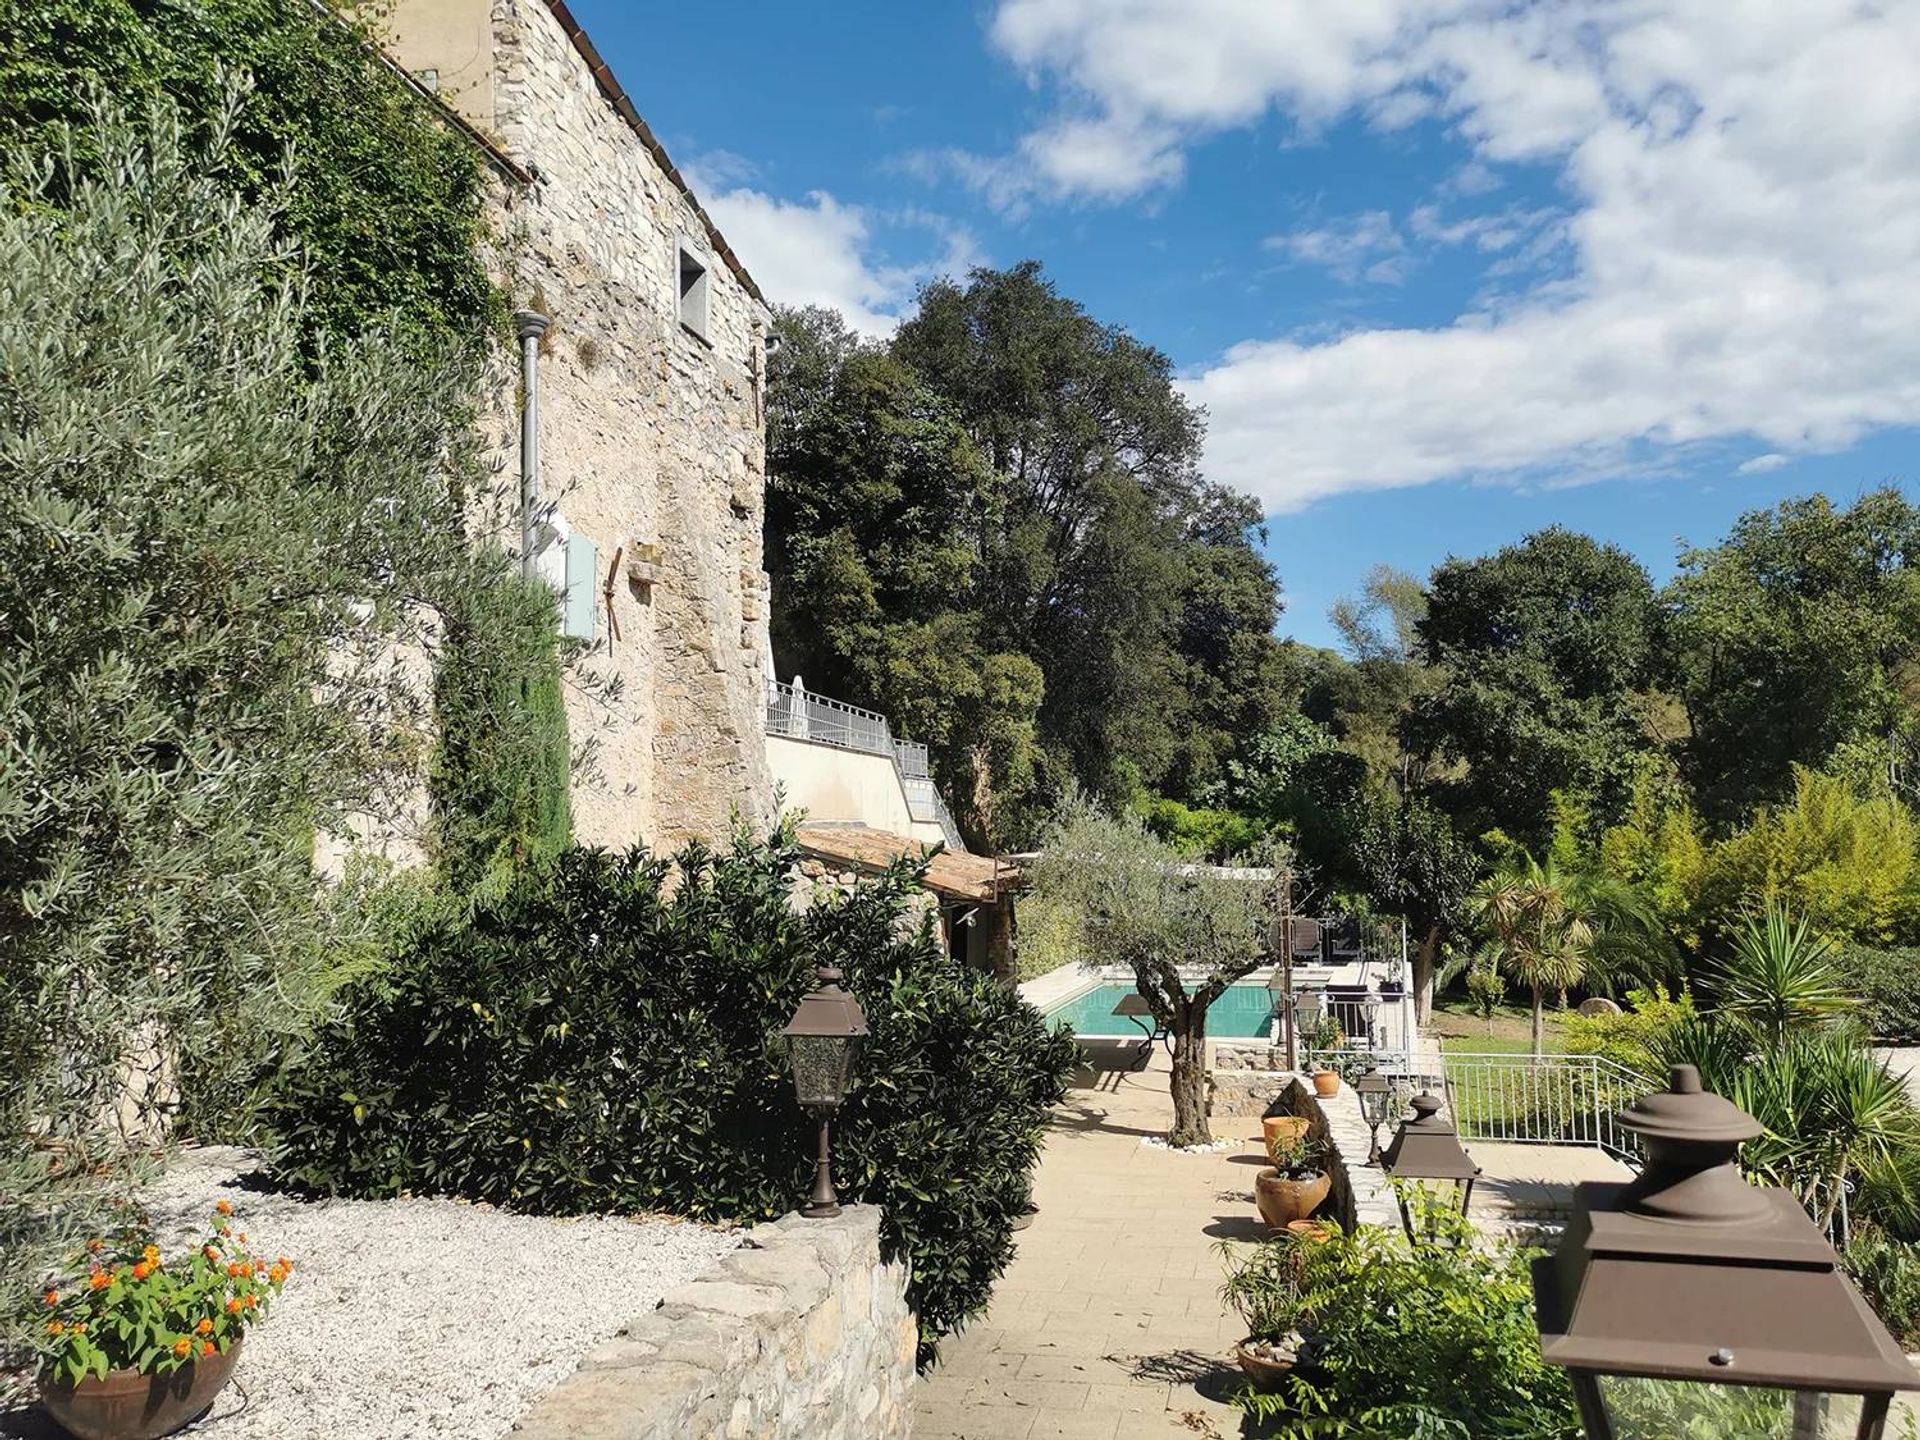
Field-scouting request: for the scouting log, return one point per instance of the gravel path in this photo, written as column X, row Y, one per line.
column 414, row 1318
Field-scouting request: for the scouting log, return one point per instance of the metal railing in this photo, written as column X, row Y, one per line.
column 802, row 715
column 799, row 714
column 1544, row 1100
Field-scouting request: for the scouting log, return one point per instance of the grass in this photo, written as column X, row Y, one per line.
column 1463, row 1032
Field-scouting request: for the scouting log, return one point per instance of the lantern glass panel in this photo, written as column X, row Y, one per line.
column 820, row 1064
column 1642, row 1408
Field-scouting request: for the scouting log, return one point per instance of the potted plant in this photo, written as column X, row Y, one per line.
column 1294, row 1185
column 136, row 1344
column 1264, row 1286
column 1275, row 1128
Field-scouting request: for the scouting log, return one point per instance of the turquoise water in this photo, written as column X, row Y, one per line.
column 1242, row 1013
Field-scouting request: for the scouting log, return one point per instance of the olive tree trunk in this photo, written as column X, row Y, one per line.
column 1189, row 1084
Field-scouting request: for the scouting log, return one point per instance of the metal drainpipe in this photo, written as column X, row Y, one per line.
column 531, row 325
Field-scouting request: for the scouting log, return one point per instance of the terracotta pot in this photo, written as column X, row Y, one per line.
column 1326, row 1082
column 1317, row 1231
column 1266, row 1371
column 127, row 1405
column 1283, row 1128
column 1284, row 1201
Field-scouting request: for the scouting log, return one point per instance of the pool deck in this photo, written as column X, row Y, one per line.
column 1108, row 1325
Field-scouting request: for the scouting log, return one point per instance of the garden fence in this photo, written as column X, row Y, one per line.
column 1544, row 1100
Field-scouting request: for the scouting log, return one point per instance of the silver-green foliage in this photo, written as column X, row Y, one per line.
column 212, row 548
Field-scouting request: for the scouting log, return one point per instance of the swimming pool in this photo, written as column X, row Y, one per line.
column 1241, row 1013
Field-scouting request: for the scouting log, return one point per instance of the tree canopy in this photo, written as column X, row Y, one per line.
column 993, row 529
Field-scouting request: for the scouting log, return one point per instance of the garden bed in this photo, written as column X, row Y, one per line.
column 413, row 1317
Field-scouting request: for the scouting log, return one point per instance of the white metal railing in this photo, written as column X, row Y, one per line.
column 1544, row 1100
column 798, row 714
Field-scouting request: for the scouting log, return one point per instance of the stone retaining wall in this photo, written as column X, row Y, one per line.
column 801, row 1334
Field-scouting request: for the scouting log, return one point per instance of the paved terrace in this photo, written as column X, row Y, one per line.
column 1108, row 1325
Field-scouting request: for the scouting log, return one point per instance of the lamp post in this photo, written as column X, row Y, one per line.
column 1370, row 1012
column 1689, row 1301
column 1376, row 1095
column 821, row 1038
column 1306, row 1016
column 1427, row 1148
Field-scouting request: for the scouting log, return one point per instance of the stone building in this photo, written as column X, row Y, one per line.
column 650, row 428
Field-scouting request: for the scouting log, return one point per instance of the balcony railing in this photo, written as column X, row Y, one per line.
column 1548, row 1100
column 799, row 714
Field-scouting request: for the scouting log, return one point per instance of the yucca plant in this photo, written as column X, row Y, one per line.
column 1780, row 975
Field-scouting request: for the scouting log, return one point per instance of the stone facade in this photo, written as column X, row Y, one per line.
column 652, row 435
column 802, row 1334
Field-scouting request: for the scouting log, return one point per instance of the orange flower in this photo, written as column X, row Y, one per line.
column 225, row 1207
column 205, row 1327
column 253, row 1302
column 243, row 1237
column 142, row 1270
column 206, row 1347
column 151, row 1254
column 278, row 1274
column 53, row 1297
column 285, row 1264
column 54, row 1327
column 182, row 1346
column 210, row 1252
column 99, row 1280
column 233, row 1272
column 77, row 1329
column 96, row 1246
column 233, row 1307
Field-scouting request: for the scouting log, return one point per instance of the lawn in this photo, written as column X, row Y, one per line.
column 1460, row 1031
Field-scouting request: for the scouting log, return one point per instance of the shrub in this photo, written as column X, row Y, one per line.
column 1888, row 1274
column 1637, row 1037
column 601, row 1033
column 1434, row 1340
column 1888, row 984
column 1486, row 989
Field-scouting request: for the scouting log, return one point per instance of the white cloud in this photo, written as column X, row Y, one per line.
column 1760, row 464
column 818, row 251
column 1737, row 258
column 1365, row 246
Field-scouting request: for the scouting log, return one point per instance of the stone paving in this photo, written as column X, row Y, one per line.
column 1108, row 1325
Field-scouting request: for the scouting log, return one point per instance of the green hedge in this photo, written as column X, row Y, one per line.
column 600, row 1033
column 1888, row 984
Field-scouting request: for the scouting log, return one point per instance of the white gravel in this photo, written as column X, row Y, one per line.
column 405, row 1318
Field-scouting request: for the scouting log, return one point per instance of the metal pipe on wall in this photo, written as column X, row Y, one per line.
column 531, row 325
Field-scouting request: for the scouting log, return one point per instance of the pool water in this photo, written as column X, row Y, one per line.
column 1241, row 1013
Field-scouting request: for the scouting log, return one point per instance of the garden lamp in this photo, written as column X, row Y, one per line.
column 1426, row 1148
column 1689, row 1301
column 821, row 1039
column 1370, row 1012
column 1376, row 1098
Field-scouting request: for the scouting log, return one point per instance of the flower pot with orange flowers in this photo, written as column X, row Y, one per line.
column 136, row 1344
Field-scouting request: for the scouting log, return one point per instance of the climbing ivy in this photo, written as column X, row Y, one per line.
column 386, row 203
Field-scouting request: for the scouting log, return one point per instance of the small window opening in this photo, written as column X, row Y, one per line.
column 693, row 292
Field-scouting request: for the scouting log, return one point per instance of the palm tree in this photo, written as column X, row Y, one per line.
column 1552, row 929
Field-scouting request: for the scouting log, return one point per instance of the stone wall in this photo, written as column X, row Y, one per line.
column 650, row 435
column 802, row 1334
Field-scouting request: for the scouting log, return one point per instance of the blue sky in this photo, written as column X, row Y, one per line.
column 1442, row 271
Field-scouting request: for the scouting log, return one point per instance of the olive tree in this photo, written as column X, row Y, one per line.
column 1137, row 902
column 213, row 543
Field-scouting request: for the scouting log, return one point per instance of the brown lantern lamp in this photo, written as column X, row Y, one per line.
column 1427, row 1148
column 1689, row 1301
column 821, row 1038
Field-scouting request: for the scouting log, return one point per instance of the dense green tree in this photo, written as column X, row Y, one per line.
column 879, row 513
column 1796, row 636
column 993, row 529
column 1409, row 860
column 1548, row 647
column 1384, row 675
